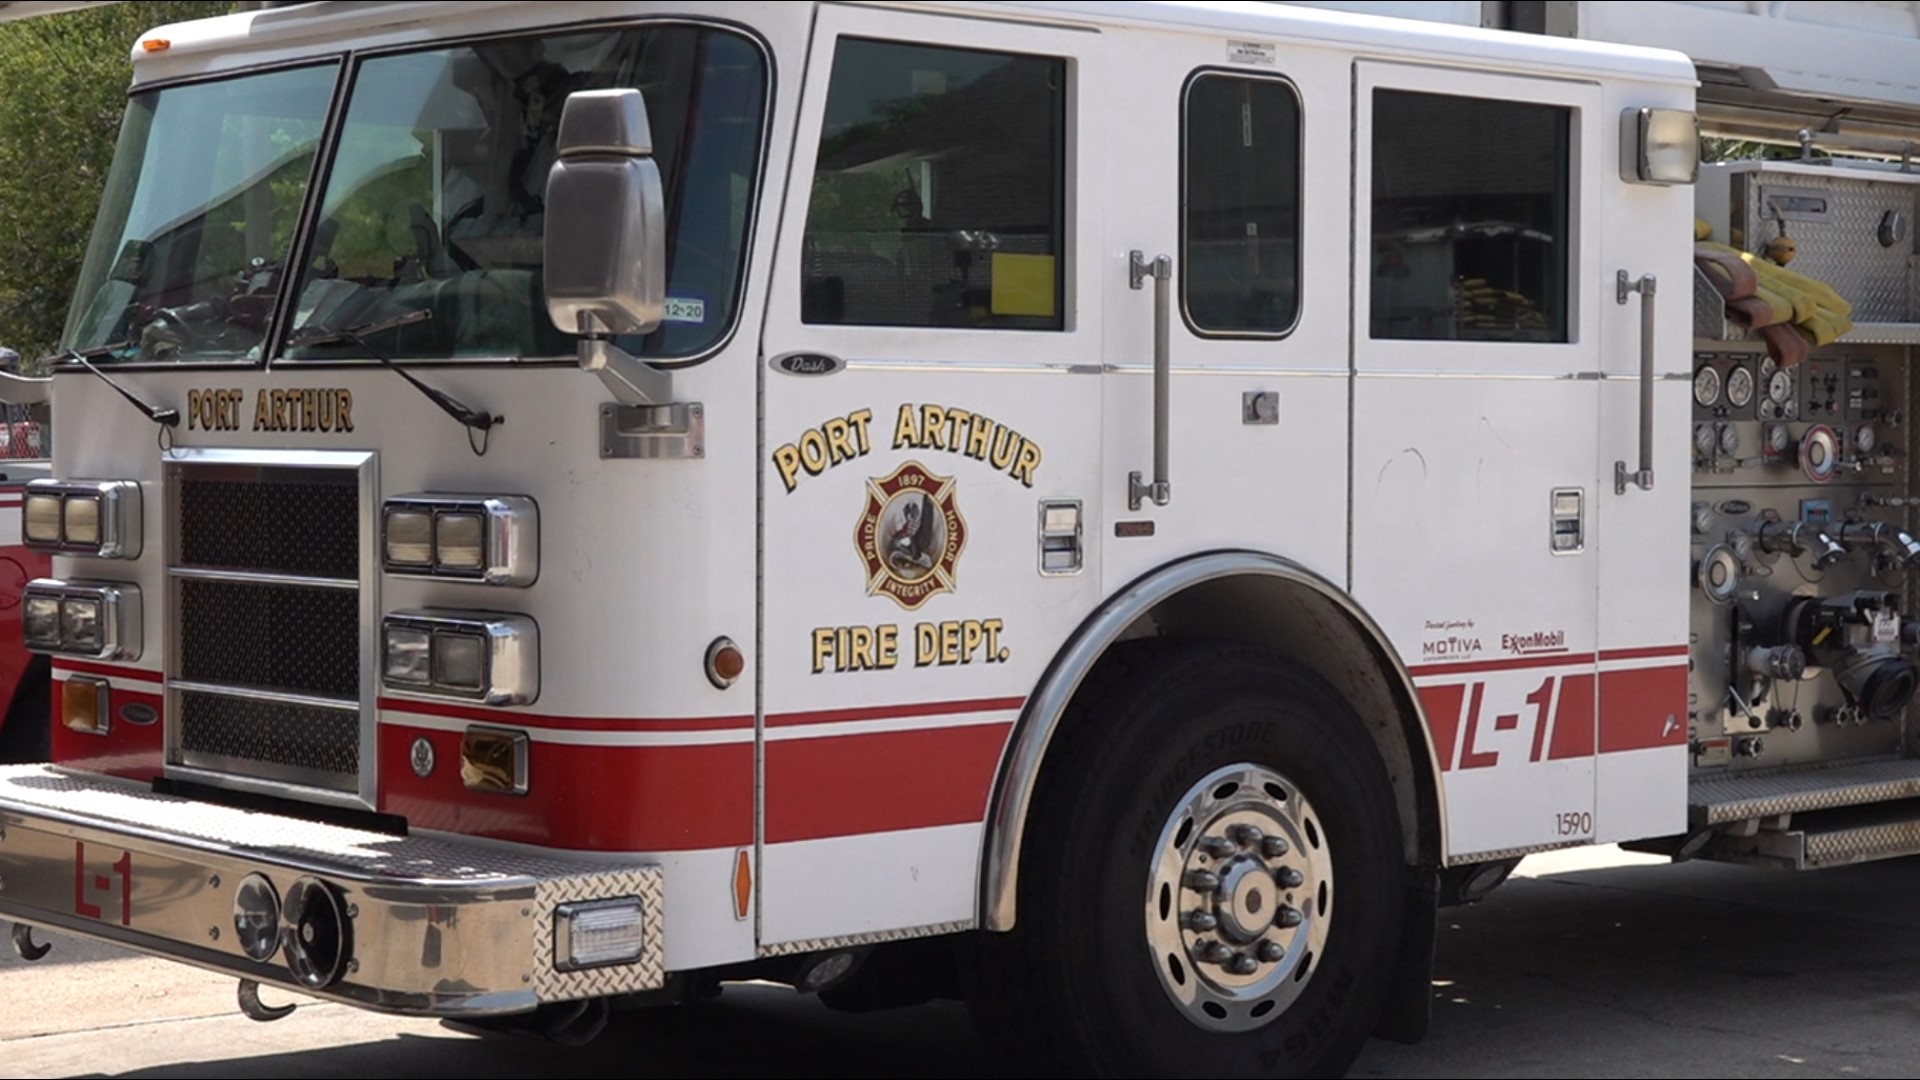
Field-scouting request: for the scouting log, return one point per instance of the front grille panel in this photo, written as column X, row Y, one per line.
column 285, row 521
column 319, row 746
column 299, row 639
column 269, row 618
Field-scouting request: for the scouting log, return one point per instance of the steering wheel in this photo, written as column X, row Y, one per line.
column 463, row 260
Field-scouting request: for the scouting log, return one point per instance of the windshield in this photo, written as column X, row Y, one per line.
column 197, row 218
column 435, row 199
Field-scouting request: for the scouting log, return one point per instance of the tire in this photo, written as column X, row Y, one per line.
column 1158, row 767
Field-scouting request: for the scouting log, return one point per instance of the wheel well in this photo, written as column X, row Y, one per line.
column 1253, row 599
column 39, row 669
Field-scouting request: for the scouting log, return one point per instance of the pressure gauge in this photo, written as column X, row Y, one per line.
column 1729, row 440
column 1706, row 387
column 1702, row 519
column 1705, row 440
column 1778, row 439
column 1779, row 387
column 1739, row 386
column 1767, row 367
column 1865, row 439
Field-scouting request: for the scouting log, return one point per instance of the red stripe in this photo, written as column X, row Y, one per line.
column 1643, row 708
column 89, row 667
column 894, row 712
column 514, row 718
column 581, row 798
column 849, row 785
column 1510, row 664
column 1661, row 651
column 5, row 503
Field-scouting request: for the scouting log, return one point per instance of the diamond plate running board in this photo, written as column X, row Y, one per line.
column 1720, row 800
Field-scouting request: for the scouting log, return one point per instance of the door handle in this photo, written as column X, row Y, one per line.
column 1624, row 286
column 1160, row 269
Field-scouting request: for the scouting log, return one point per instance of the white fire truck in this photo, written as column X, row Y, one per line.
column 1119, row 510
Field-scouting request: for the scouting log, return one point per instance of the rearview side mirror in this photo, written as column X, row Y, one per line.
column 605, row 244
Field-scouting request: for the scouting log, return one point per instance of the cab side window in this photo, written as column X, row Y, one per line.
column 939, row 191
column 1240, row 221
column 1470, row 216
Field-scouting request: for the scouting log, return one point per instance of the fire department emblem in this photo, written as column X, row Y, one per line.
column 910, row 535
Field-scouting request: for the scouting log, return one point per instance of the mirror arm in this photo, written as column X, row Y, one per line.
column 630, row 381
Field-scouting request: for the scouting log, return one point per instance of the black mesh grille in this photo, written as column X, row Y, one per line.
column 322, row 741
column 276, row 637
column 307, row 524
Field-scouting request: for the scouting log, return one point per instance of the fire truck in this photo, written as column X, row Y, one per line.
column 1114, row 511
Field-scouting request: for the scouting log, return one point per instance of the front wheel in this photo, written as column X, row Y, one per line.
column 1212, row 880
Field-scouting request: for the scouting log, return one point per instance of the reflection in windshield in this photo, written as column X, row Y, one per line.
column 192, row 240
column 435, row 200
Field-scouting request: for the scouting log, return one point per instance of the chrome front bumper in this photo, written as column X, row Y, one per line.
column 437, row 926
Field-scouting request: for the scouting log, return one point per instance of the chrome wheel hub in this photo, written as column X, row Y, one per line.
column 1239, row 898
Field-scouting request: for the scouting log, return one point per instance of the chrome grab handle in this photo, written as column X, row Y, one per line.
column 1624, row 286
column 1160, row 269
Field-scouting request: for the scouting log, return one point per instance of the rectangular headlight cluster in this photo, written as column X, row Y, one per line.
column 598, row 933
column 492, row 539
column 489, row 657
column 100, row 518
column 92, row 619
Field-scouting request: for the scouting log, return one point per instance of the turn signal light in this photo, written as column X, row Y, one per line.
column 494, row 759
column 84, row 704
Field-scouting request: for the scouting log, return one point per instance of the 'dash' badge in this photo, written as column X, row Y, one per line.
column 910, row 535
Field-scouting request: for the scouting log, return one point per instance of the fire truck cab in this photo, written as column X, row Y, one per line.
column 1116, row 510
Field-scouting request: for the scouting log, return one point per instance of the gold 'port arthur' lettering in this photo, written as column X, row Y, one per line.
column 322, row 410
column 916, row 427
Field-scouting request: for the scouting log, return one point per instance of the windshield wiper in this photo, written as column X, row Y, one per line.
column 164, row 417
column 473, row 420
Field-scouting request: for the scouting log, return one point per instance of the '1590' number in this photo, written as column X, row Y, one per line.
column 1575, row 823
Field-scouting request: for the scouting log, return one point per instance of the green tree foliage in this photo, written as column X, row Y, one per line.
column 63, row 88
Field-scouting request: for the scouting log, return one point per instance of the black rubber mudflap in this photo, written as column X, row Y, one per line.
column 1409, row 1005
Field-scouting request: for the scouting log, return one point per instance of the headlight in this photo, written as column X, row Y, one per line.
column 409, row 538
column 41, row 519
column 409, row 653
column 42, row 622
column 80, row 621
column 494, row 540
column 479, row 656
column 100, row 518
column 83, row 520
column 97, row 620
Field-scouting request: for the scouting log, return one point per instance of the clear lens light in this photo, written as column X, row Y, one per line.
column 608, row 934
column 83, row 520
column 41, row 519
column 43, row 621
column 408, row 653
column 1672, row 146
column 462, row 541
column 459, row 661
column 409, row 538
column 80, row 621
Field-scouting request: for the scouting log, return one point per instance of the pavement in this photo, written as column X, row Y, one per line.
column 1592, row 963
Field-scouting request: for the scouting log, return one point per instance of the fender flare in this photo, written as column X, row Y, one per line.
column 1027, row 748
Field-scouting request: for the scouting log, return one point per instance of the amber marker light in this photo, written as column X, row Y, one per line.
column 83, row 705
column 725, row 662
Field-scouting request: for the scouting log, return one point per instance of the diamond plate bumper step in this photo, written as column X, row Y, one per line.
column 1826, row 839
column 435, row 925
column 1720, row 800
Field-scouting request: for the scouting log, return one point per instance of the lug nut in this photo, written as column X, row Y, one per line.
column 1214, row 952
column 1272, row 952
column 1245, row 835
column 1242, row 964
column 1217, row 846
column 1289, row 878
column 1201, row 922
column 1289, row 917
column 1203, row 881
column 1274, row 847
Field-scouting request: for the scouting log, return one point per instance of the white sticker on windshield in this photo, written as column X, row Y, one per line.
column 686, row 309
